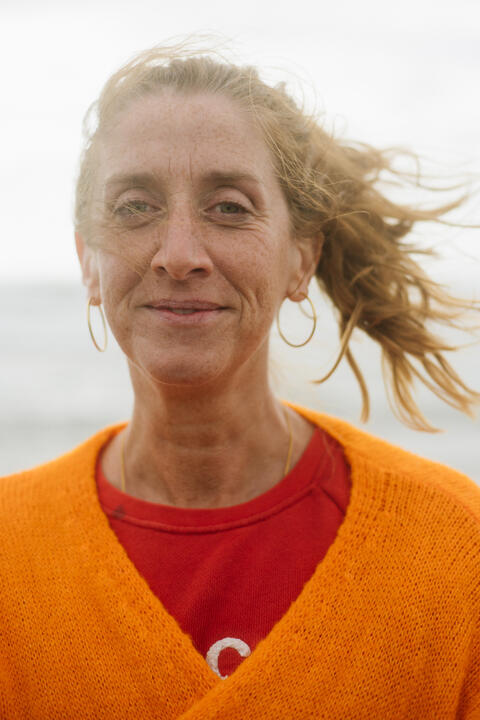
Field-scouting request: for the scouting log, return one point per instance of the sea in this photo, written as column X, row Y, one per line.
column 56, row 390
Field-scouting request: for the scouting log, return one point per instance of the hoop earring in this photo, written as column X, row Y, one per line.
column 105, row 337
column 312, row 317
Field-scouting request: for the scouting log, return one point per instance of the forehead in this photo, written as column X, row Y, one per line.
column 173, row 135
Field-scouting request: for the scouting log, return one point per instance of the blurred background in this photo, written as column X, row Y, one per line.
column 390, row 74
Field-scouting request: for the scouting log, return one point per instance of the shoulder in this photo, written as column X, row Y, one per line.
column 33, row 492
column 432, row 483
column 418, row 515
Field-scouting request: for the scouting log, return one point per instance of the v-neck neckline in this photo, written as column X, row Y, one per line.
column 129, row 588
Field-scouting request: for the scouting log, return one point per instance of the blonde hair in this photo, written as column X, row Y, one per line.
column 332, row 190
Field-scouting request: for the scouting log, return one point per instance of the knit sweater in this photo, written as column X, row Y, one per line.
column 388, row 626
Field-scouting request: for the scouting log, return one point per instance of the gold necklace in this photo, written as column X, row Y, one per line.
column 285, row 472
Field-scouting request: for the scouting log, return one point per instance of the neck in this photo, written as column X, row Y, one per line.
column 204, row 449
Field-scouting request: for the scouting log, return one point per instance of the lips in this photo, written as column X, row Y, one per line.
column 183, row 307
column 182, row 311
column 186, row 313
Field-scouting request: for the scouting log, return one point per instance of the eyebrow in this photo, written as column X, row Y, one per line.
column 148, row 179
column 227, row 178
column 131, row 180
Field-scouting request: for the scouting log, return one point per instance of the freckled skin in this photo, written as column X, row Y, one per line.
column 188, row 252
column 203, row 409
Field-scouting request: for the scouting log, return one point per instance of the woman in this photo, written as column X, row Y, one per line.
column 224, row 554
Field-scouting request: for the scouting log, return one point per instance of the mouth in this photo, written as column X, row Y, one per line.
column 179, row 311
column 185, row 309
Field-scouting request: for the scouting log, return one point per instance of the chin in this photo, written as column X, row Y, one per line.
column 186, row 372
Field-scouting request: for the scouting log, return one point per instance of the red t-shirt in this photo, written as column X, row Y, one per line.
column 227, row 575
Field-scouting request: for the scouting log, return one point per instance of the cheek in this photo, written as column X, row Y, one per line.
column 126, row 253
column 259, row 273
column 117, row 280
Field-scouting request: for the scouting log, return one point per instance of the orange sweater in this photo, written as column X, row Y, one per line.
column 388, row 627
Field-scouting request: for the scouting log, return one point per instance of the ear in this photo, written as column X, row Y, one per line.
column 89, row 265
column 308, row 252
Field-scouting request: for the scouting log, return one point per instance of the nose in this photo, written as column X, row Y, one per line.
column 181, row 249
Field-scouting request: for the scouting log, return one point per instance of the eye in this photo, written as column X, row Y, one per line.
column 229, row 213
column 231, row 208
column 133, row 207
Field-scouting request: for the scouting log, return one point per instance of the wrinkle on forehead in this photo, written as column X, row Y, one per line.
column 211, row 120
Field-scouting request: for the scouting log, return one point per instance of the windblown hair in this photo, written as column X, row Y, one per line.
column 333, row 192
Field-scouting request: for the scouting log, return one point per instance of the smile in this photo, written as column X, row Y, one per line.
column 186, row 313
column 184, row 306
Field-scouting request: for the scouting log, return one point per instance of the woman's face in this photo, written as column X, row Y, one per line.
column 196, row 253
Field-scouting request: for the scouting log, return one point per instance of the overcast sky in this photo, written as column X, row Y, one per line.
column 388, row 73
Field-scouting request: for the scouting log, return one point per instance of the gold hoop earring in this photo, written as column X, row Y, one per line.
column 312, row 317
column 100, row 349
